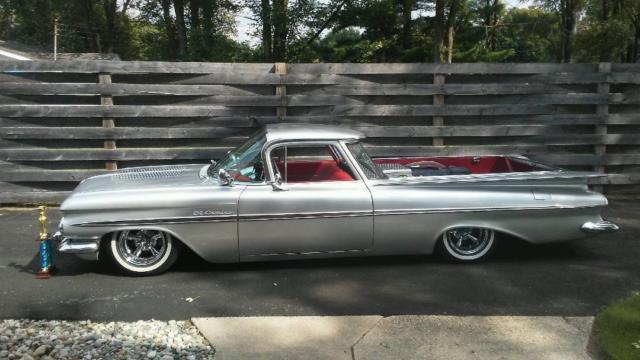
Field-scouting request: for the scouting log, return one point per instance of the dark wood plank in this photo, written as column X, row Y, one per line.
column 430, row 89
column 48, row 175
column 71, row 133
column 39, row 154
column 120, row 89
column 33, row 197
column 431, row 68
column 127, row 67
column 117, row 111
column 444, row 110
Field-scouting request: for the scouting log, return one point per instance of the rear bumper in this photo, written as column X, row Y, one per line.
column 602, row 226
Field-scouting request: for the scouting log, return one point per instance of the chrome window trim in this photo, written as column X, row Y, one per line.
column 352, row 160
column 269, row 147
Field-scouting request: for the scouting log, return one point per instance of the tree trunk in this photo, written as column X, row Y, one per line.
column 194, row 8
column 266, row 30
column 493, row 42
column 636, row 39
column 605, row 10
column 198, row 44
column 110, row 8
column 280, row 30
column 567, row 19
column 89, row 23
column 407, row 7
column 207, row 18
column 438, row 31
column 181, row 30
column 168, row 27
column 451, row 22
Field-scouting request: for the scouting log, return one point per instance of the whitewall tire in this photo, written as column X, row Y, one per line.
column 141, row 251
column 467, row 244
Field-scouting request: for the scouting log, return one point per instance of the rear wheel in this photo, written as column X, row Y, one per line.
column 468, row 244
column 142, row 252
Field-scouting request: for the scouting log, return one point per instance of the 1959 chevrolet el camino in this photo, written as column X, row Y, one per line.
column 308, row 191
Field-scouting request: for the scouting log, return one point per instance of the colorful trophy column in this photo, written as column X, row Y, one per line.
column 46, row 261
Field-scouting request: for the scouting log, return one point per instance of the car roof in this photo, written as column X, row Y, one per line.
column 288, row 131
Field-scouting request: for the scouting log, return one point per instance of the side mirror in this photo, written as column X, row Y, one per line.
column 210, row 168
column 224, row 178
column 277, row 183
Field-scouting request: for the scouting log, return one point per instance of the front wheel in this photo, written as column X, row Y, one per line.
column 467, row 244
column 141, row 252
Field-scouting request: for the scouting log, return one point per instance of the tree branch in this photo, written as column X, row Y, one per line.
column 326, row 23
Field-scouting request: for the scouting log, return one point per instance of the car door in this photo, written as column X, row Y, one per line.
column 325, row 206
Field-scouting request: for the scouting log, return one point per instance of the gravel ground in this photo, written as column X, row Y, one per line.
column 165, row 340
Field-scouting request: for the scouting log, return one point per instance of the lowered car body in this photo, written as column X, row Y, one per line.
column 312, row 191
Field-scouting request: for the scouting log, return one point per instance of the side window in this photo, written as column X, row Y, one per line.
column 310, row 163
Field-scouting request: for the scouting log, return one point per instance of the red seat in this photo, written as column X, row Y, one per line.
column 306, row 171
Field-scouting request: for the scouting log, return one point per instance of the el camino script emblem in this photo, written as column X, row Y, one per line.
column 211, row 212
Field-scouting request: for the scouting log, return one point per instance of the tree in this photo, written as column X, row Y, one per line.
column 532, row 33
column 631, row 12
column 438, row 31
column 454, row 7
column 265, row 16
column 567, row 9
column 280, row 29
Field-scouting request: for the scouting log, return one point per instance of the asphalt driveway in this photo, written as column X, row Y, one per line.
column 574, row 279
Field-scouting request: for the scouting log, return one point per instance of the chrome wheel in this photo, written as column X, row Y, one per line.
column 468, row 243
column 142, row 247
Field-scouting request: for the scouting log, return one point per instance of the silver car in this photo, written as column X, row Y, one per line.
column 308, row 191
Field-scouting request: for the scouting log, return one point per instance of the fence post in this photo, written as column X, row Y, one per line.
column 281, row 91
column 438, row 100
column 108, row 123
column 601, row 129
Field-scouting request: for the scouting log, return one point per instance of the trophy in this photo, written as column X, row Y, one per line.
column 46, row 261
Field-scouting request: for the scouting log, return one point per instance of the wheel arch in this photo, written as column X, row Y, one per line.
column 108, row 235
column 500, row 231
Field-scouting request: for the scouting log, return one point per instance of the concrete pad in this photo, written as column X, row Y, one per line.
column 476, row 337
column 283, row 337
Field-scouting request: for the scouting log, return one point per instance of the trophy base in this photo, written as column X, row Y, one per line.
column 45, row 274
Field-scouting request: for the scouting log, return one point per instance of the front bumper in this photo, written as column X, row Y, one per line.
column 602, row 226
column 86, row 248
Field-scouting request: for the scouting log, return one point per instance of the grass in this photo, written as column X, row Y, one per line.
column 617, row 329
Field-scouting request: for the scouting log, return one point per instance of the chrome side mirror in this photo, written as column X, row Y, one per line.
column 277, row 183
column 224, row 178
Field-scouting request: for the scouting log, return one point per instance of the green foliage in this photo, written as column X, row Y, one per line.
column 331, row 30
column 534, row 35
column 617, row 329
column 603, row 41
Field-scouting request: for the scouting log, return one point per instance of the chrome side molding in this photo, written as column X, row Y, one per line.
column 603, row 226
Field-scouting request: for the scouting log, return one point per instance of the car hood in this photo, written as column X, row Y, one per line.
column 143, row 178
column 142, row 187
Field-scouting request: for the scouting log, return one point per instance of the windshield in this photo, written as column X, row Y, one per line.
column 244, row 163
column 370, row 169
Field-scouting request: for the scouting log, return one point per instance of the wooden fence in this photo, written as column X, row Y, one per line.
column 63, row 121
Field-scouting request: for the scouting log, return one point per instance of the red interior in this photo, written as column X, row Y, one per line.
column 476, row 164
column 323, row 170
column 332, row 170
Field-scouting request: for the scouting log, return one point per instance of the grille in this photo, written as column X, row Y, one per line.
column 156, row 172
